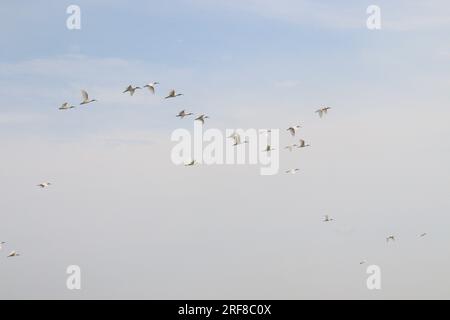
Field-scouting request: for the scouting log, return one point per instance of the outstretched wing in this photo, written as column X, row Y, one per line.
column 302, row 143
column 237, row 139
column 84, row 95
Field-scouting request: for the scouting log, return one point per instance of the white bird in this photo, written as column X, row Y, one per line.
column 268, row 148
column 44, row 184
column 202, row 118
column 66, row 106
column 13, row 254
column 190, row 163
column 231, row 136
column 293, row 129
column 151, row 86
column 363, row 262
column 327, row 219
column 292, row 171
column 85, row 97
column 131, row 89
column 183, row 114
column 390, row 238
column 422, row 235
column 173, row 94
column 303, row 144
column 237, row 140
column 322, row 111
column 291, row 147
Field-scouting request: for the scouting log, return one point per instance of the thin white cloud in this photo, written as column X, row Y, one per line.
column 396, row 15
column 287, row 84
column 20, row 118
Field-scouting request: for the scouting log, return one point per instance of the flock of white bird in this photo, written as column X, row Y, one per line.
column 322, row 111
column 302, row 144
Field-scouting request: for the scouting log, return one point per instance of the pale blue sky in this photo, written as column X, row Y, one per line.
column 289, row 53
column 140, row 227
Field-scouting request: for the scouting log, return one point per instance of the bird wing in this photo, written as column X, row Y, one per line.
column 85, row 95
column 200, row 118
column 151, row 88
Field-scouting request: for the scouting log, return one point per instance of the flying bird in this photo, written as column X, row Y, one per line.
column 422, row 235
column 202, row 118
column 291, row 147
column 85, row 97
column 303, row 144
column 390, row 238
column 293, row 129
column 183, row 114
column 151, row 86
column 13, row 254
column 173, row 94
column 363, row 262
column 323, row 111
column 44, row 184
column 292, row 171
column 237, row 140
column 327, row 219
column 190, row 164
column 66, row 106
column 131, row 89
column 231, row 136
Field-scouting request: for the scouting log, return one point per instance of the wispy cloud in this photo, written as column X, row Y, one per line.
column 396, row 15
column 287, row 84
column 20, row 118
